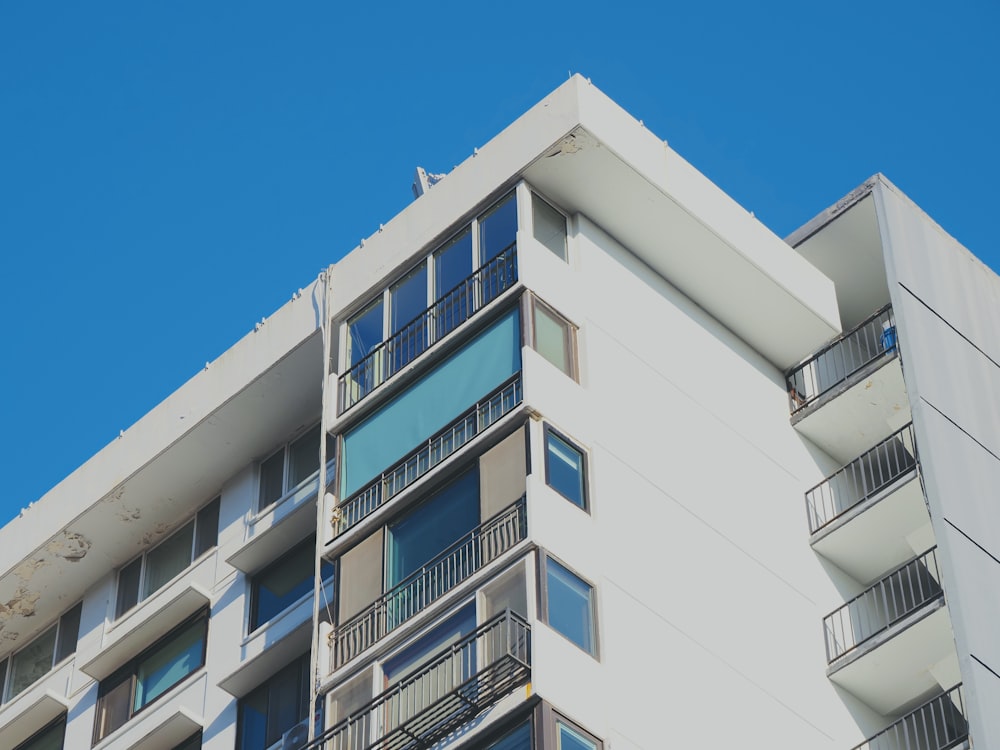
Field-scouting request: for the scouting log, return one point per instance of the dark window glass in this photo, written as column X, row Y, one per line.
column 69, row 631
column 50, row 738
column 128, row 587
column 303, row 457
column 272, row 480
column 570, row 605
column 3, row 678
column 207, row 531
column 409, row 298
column 191, row 743
column 150, row 675
column 497, row 229
column 453, row 264
column 434, row 526
column 412, row 658
column 518, row 738
column 564, row 469
column 273, row 708
column 365, row 332
column 283, row 583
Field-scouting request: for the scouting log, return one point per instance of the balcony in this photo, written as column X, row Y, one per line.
column 436, row 578
column 865, row 516
column 883, row 645
column 939, row 724
column 452, row 309
column 460, row 682
column 850, row 394
column 416, row 464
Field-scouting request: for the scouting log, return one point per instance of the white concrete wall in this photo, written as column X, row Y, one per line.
column 710, row 598
column 947, row 306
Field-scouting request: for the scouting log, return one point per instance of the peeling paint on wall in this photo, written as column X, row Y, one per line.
column 70, row 546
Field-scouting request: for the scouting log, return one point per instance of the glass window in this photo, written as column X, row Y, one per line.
column 191, row 743
column 50, row 738
column 518, row 738
column 32, row 661
column 291, row 466
column 167, row 559
column 172, row 661
column 497, row 229
column 564, row 469
column 409, row 328
column 455, row 297
column 273, row 708
column 553, row 337
column 151, row 674
column 568, row 738
column 431, row 528
column 569, row 605
column 365, row 332
column 41, row 655
column 151, row 571
column 283, row 583
column 548, row 226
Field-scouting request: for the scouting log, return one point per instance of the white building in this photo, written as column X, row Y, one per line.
column 575, row 400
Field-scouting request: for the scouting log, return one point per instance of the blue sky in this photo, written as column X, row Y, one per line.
column 171, row 173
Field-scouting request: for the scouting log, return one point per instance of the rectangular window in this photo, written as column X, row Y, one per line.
column 565, row 468
column 274, row 708
column 568, row 604
column 548, row 226
column 282, row 583
column 518, row 738
column 430, row 301
column 41, row 655
column 570, row 738
column 150, row 675
column 290, row 467
column 553, row 337
column 152, row 570
column 50, row 738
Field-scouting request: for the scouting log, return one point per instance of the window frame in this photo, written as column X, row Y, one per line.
column 40, row 734
column 128, row 674
column 551, row 721
column 544, row 558
column 571, row 348
column 285, row 450
column 584, row 504
column 303, row 663
column 253, row 582
column 535, row 195
column 197, row 541
column 7, row 663
column 428, row 259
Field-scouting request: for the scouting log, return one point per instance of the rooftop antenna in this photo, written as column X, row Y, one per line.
column 422, row 181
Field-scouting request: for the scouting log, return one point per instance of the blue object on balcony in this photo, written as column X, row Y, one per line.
column 888, row 337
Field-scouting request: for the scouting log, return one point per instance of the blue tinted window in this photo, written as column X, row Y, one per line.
column 433, row 527
column 497, row 229
column 365, row 332
column 570, row 605
column 280, row 585
column 517, row 739
column 569, row 739
column 564, row 469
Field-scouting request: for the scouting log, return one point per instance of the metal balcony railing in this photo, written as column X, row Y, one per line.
column 864, row 477
column 451, row 310
column 903, row 591
column 376, row 493
column 460, row 682
column 841, row 358
column 939, row 724
column 417, row 591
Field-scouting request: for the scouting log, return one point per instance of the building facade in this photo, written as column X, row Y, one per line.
column 527, row 470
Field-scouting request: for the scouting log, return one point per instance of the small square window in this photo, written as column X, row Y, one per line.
column 568, row 605
column 553, row 337
column 548, row 226
column 565, row 468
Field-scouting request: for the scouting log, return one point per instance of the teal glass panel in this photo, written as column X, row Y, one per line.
column 170, row 663
column 432, row 402
column 428, row 530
